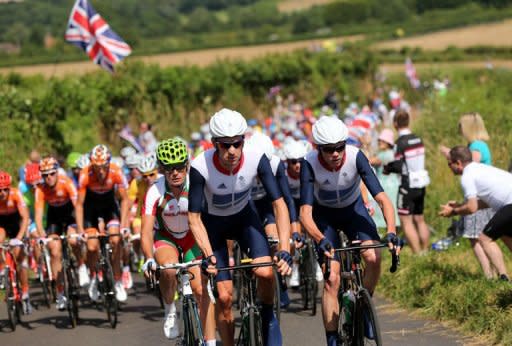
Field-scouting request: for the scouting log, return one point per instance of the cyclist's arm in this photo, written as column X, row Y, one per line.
column 25, row 217
column 195, row 204
column 388, row 211
column 282, row 180
column 307, row 181
column 133, row 191
column 278, row 204
column 146, row 239
column 125, row 208
column 79, row 211
column 39, row 211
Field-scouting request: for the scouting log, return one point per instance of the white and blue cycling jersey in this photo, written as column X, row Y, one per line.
column 335, row 194
column 223, row 199
column 263, row 204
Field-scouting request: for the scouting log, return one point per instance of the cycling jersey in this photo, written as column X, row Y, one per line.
column 227, row 193
column 10, row 212
column 263, row 204
column 136, row 192
column 171, row 213
column 14, row 203
column 409, row 160
column 62, row 193
column 100, row 200
column 340, row 187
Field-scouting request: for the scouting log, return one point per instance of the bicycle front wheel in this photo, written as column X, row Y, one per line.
column 277, row 295
column 368, row 330
column 10, row 300
column 193, row 333
column 255, row 328
column 111, row 304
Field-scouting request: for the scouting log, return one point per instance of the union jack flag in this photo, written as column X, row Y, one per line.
column 87, row 30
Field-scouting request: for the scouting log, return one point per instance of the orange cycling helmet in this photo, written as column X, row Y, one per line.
column 48, row 165
column 5, row 180
column 100, row 155
column 32, row 174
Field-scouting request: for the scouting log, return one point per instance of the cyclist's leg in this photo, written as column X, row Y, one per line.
column 115, row 242
column 217, row 228
column 55, row 248
column 75, row 244
column 136, row 228
column 362, row 227
column 165, row 253
column 3, row 235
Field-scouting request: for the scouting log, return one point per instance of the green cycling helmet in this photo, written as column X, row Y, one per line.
column 72, row 159
column 171, row 152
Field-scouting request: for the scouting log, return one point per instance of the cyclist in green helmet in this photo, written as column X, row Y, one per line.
column 165, row 230
column 73, row 168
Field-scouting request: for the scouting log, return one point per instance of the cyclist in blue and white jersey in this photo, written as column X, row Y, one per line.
column 220, row 208
column 331, row 200
column 261, row 142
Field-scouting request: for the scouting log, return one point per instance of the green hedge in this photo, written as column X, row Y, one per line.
column 77, row 112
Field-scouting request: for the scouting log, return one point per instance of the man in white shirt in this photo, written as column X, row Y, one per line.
column 484, row 186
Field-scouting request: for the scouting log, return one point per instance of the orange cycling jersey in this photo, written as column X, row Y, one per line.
column 89, row 181
column 14, row 203
column 62, row 193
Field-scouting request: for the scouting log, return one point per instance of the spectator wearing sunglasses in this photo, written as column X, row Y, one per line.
column 331, row 200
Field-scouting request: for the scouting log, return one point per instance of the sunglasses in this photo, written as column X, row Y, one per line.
column 329, row 149
column 227, row 145
column 5, row 190
column 149, row 175
column 179, row 168
column 293, row 161
column 46, row 175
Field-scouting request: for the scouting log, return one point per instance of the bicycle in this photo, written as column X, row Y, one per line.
column 251, row 331
column 355, row 302
column 307, row 269
column 106, row 278
column 70, row 277
column 13, row 297
column 192, row 329
column 45, row 275
column 153, row 285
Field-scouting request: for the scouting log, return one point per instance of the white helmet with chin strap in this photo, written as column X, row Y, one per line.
column 147, row 164
column 260, row 142
column 227, row 123
column 329, row 130
column 294, row 150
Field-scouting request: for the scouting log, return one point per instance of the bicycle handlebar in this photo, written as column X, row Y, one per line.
column 179, row 265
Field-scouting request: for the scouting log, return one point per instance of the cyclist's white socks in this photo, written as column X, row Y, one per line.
column 211, row 342
column 170, row 309
column 126, row 269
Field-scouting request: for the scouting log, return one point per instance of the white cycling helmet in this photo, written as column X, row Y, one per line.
column 118, row 161
column 132, row 161
column 227, row 123
column 329, row 130
column 262, row 143
column 147, row 164
column 294, row 150
column 195, row 136
column 83, row 161
column 127, row 151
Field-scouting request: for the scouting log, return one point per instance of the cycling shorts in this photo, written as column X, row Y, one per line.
column 265, row 211
column 410, row 201
column 59, row 218
column 353, row 220
column 11, row 224
column 245, row 227
column 185, row 246
column 500, row 224
column 109, row 214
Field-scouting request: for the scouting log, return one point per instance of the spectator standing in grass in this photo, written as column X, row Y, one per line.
column 484, row 186
column 147, row 139
column 410, row 163
column 472, row 128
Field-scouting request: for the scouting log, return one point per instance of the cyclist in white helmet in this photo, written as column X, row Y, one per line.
column 223, row 177
column 331, row 200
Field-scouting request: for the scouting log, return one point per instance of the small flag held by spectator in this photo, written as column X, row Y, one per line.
column 410, row 72
column 87, row 30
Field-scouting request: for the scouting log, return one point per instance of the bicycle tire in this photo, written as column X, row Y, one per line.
column 277, row 295
column 12, row 314
column 345, row 328
column 237, row 276
column 71, row 295
column 312, row 284
column 255, row 329
column 45, row 287
column 111, row 305
column 365, row 307
column 194, row 331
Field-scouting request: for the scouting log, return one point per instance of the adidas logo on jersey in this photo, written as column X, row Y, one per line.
column 326, row 182
column 222, row 186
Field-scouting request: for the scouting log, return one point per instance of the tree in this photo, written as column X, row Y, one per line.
column 17, row 34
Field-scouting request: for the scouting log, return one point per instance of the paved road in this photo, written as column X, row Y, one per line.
column 140, row 323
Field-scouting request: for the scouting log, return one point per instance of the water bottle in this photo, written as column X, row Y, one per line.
column 348, row 302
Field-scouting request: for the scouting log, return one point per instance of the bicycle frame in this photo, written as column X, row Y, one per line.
column 11, row 269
